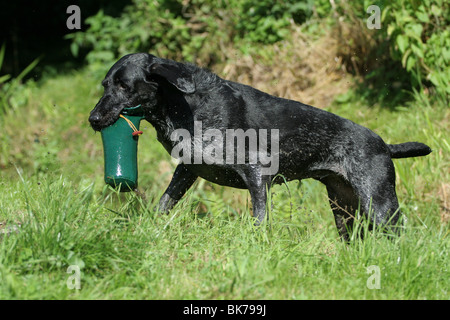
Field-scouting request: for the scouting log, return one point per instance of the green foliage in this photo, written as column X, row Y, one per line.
column 187, row 29
column 419, row 35
column 267, row 21
column 126, row 251
column 12, row 92
column 156, row 25
column 410, row 51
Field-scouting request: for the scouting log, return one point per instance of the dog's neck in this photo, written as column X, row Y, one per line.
column 173, row 112
column 178, row 110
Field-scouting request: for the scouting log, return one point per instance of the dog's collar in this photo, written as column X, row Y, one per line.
column 133, row 111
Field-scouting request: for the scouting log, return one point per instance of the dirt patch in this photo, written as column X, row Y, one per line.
column 444, row 197
column 305, row 70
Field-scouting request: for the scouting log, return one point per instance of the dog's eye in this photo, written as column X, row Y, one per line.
column 121, row 85
column 150, row 79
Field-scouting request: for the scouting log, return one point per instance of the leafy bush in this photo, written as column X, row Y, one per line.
column 410, row 51
column 268, row 21
column 146, row 25
column 419, row 36
column 190, row 30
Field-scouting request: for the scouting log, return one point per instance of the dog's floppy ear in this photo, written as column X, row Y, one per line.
column 175, row 74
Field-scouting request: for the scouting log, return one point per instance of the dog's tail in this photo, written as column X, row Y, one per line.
column 409, row 149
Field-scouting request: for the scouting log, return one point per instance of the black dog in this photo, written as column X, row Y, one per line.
column 181, row 99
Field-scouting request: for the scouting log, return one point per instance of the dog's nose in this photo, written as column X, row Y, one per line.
column 94, row 118
column 95, row 121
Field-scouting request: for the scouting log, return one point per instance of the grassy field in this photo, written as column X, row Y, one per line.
column 55, row 212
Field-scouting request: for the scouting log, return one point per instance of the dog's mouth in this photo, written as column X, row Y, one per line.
column 99, row 122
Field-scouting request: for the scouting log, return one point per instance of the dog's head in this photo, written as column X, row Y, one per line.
column 137, row 79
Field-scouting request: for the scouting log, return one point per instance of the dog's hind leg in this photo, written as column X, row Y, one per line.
column 343, row 202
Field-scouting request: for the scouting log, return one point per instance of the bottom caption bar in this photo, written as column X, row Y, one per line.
column 228, row 309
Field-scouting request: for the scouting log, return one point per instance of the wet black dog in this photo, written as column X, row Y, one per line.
column 182, row 101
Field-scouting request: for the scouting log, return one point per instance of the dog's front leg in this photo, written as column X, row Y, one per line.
column 182, row 180
column 258, row 185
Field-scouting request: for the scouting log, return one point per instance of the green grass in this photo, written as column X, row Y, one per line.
column 51, row 191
